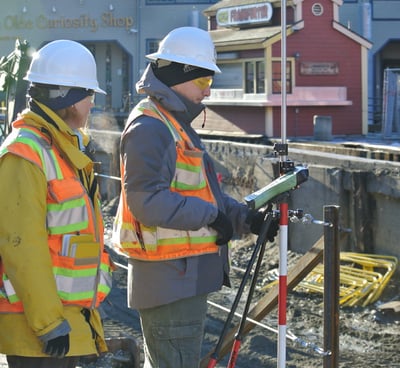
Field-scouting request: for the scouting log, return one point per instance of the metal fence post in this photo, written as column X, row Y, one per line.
column 331, row 285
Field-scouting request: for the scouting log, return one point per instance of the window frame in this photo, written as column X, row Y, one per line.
column 152, row 48
column 276, row 78
column 255, row 84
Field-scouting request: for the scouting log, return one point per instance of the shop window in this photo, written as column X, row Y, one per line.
column 276, row 77
column 260, row 77
column 152, row 45
column 254, row 76
column 249, row 73
column 231, row 76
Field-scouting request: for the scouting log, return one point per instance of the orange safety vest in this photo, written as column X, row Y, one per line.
column 134, row 239
column 81, row 266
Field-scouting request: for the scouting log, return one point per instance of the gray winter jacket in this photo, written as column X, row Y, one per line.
column 149, row 154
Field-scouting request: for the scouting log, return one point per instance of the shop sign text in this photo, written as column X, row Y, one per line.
column 107, row 20
column 315, row 68
column 244, row 14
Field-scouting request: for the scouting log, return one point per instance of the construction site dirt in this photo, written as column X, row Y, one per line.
column 367, row 335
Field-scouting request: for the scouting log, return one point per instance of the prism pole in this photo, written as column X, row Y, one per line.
column 284, row 215
column 283, row 241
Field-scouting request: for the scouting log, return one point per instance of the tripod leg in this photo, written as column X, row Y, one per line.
column 238, row 337
column 258, row 246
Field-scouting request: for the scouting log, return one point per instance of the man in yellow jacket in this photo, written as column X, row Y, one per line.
column 54, row 271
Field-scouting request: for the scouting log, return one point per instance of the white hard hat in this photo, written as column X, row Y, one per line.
column 64, row 63
column 188, row 45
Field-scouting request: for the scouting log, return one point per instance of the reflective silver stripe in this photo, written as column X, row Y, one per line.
column 105, row 279
column 73, row 285
column 123, row 236
column 66, row 217
column 8, row 288
column 70, row 287
column 162, row 234
column 190, row 178
column 151, row 237
column 49, row 168
column 65, row 284
column 51, row 171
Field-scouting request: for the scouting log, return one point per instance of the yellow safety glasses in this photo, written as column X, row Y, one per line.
column 203, row 82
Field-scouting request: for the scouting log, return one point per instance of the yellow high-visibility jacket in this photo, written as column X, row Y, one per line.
column 42, row 197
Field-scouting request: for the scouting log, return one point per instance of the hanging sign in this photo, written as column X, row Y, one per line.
column 244, row 15
column 310, row 68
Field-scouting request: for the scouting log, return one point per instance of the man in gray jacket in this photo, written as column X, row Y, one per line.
column 174, row 222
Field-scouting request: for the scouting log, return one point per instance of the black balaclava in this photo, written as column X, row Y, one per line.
column 171, row 73
column 57, row 97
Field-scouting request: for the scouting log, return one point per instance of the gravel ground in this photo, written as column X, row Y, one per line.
column 367, row 336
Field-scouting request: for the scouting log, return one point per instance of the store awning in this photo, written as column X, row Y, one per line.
column 235, row 37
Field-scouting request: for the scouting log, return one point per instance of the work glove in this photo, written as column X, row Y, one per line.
column 256, row 218
column 224, row 228
column 57, row 347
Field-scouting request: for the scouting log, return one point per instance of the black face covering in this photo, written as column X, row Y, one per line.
column 58, row 97
column 176, row 73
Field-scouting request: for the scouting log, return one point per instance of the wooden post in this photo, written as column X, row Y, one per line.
column 331, row 286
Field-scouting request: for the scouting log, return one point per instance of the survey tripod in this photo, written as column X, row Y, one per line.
column 290, row 179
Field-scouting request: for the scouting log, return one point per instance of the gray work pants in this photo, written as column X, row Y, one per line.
column 173, row 333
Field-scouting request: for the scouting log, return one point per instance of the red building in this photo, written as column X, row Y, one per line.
column 326, row 72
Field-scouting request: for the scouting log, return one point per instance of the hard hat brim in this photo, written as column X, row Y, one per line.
column 184, row 60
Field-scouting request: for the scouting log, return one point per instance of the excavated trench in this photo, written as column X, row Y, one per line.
column 366, row 334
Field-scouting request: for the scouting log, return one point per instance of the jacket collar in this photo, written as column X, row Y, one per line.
column 60, row 134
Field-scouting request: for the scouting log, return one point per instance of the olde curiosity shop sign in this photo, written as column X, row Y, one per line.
column 41, row 21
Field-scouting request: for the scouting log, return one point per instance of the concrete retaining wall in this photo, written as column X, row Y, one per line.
column 367, row 191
